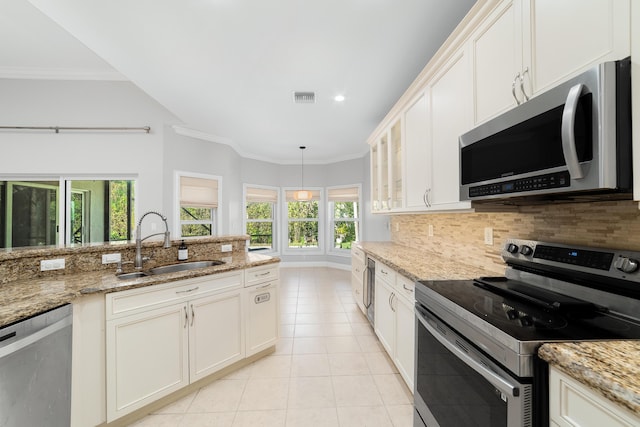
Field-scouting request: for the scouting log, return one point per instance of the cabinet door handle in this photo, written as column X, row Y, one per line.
column 524, row 93
column 263, row 286
column 406, row 289
column 193, row 315
column 186, row 317
column 513, row 88
column 427, row 197
column 393, row 296
column 186, row 291
column 263, row 274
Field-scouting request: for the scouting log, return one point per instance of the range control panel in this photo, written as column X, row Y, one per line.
column 606, row 262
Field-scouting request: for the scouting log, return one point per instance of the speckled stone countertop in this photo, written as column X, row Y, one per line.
column 418, row 264
column 23, row 298
column 611, row 368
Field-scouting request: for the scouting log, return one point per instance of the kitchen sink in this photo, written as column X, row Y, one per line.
column 185, row 266
column 134, row 275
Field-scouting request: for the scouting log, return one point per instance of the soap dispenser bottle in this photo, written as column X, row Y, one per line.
column 183, row 252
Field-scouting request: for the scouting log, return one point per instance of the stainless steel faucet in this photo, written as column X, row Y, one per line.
column 139, row 239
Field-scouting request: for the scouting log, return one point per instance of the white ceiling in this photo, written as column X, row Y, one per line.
column 228, row 68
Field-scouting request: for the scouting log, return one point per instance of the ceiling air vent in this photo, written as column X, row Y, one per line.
column 304, row 97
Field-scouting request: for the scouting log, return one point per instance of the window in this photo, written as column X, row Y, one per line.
column 303, row 220
column 344, row 220
column 260, row 217
column 198, row 204
column 59, row 210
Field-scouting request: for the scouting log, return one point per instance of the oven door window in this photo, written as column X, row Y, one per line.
column 454, row 393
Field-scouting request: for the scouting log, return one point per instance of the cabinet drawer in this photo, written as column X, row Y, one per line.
column 406, row 288
column 358, row 254
column 385, row 273
column 358, row 271
column 262, row 274
column 135, row 300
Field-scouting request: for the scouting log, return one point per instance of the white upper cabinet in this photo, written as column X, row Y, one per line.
column 417, row 152
column 525, row 47
column 451, row 104
column 386, row 170
column 564, row 38
column 497, row 53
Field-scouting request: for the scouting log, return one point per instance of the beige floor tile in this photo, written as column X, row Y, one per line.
column 393, row 389
column 369, row 343
column 372, row 416
column 312, row 417
column 309, row 308
column 286, row 331
column 356, row 390
column 287, row 318
column 348, row 364
column 311, row 392
column 159, row 420
column 220, row 396
column 303, row 331
column 380, row 363
column 265, row 394
column 308, row 318
column 284, row 346
column 310, row 365
column 362, row 329
column 356, row 317
column 336, row 329
column 337, row 317
column 178, row 407
column 345, row 344
column 275, row 418
column 278, row 366
column 218, row 419
column 401, row 415
column 240, row 374
column 308, row 345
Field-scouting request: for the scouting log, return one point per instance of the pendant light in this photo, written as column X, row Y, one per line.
column 302, row 195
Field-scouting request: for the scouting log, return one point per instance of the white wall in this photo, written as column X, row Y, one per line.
column 153, row 157
column 84, row 104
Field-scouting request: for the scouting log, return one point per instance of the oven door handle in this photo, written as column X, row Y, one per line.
column 496, row 380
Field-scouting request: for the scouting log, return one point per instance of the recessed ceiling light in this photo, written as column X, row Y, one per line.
column 338, row 98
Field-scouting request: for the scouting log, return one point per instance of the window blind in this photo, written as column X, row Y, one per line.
column 198, row 192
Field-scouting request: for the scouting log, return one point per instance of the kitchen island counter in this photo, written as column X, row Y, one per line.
column 20, row 299
column 611, row 368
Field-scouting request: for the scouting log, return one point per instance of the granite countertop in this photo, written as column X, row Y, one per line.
column 611, row 368
column 23, row 298
column 418, row 264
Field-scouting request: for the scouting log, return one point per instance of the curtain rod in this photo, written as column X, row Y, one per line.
column 57, row 129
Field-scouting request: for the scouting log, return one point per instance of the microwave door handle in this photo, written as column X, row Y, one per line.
column 496, row 380
column 568, row 132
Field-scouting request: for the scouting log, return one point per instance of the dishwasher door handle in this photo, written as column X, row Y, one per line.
column 34, row 337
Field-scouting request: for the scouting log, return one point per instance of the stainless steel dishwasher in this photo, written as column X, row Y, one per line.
column 35, row 370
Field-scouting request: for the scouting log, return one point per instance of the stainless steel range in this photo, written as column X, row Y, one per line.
column 477, row 340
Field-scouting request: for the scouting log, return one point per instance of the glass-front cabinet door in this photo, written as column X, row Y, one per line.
column 375, row 178
column 385, row 195
column 395, row 174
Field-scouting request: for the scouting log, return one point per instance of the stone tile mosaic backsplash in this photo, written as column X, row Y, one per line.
column 461, row 235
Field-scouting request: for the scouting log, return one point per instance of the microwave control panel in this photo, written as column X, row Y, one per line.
column 522, row 185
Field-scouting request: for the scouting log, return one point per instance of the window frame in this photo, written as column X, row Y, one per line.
column 286, row 249
column 216, row 213
column 63, row 236
column 275, row 210
column 331, row 220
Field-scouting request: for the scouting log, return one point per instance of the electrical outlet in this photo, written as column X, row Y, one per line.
column 430, row 230
column 488, row 236
column 226, row 248
column 52, row 264
column 111, row 258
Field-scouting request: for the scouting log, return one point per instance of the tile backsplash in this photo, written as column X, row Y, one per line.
column 461, row 235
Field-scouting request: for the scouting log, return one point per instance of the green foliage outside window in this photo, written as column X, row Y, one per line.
column 303, row 224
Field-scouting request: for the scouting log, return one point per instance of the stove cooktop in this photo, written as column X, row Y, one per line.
column 530, row 314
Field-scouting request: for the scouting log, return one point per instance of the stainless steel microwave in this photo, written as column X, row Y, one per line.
column 571, row 141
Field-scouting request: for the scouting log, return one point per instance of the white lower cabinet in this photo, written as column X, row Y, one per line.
column 161, row 338
column 572, row 404
column 147, row 358
column 394, row 319
column 262, row 316
column 216, row 336
column 358, row 268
